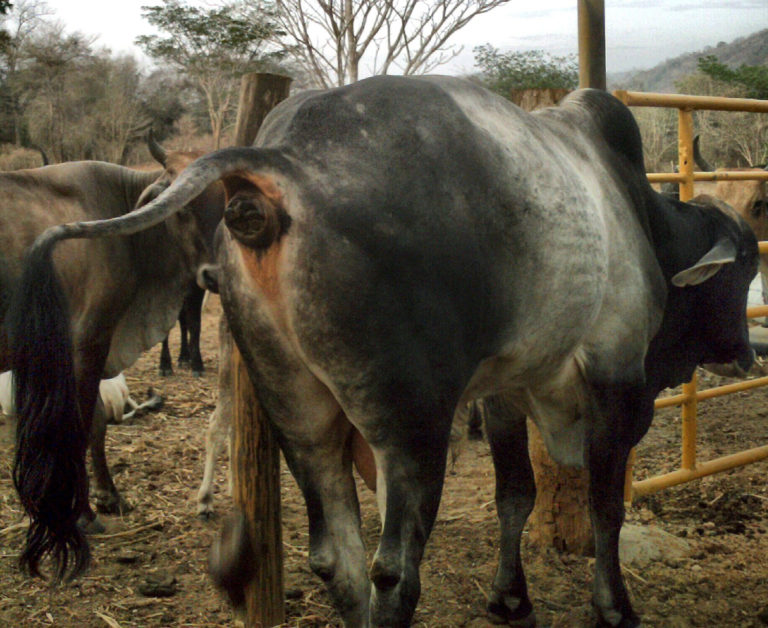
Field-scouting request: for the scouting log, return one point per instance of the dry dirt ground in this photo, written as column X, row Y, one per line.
column 157, row 464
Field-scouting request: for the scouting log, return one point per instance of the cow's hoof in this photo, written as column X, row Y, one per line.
column 205, row 513
column 198, row 372
column 627, row 621
column 475, row 435
column 91, row 526
column 499, row 612
column 112, row 505
column 632, row 622
column 166, row 372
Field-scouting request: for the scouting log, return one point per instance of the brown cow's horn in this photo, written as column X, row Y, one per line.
column 157, row 151
column 698, row 159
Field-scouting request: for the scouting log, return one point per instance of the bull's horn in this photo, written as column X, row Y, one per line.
column 698, row 159
column 190, row 184
column 158, row 153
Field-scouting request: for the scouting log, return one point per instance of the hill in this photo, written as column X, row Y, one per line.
column 750, row 50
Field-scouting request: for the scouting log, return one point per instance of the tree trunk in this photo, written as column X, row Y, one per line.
column 256, row 455
column 560, row 518
column 259, row 93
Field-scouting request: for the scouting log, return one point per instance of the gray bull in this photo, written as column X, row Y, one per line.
column 401, row 245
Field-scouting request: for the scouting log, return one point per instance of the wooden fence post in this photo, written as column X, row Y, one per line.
column 259, row 93
column 255, row 468
column 255, row 453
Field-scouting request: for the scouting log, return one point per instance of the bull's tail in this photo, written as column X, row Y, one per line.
column 51, row 437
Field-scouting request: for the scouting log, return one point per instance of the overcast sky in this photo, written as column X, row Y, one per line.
column 639, row 33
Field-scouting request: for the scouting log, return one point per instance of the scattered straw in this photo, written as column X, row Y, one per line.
column 149, row 526
column 110, row 621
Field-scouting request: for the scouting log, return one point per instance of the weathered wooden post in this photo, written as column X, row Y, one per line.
column 255, row 454
column 560, row 518
column 259, row 93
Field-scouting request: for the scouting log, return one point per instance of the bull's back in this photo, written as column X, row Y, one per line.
column 451, row 221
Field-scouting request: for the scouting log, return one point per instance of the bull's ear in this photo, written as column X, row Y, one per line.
column 723, row 252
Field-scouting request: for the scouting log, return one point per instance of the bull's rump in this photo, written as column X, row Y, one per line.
column 435, row 226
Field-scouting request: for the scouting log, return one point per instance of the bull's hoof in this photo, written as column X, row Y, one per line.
column 110, row 504
column 166, row 371
column 616, row 619
column 198, row 372
column 626, row 622
column 499, row 612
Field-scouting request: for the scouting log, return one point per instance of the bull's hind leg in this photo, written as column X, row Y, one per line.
column 410, row 463
column 515, row 495
column 321, row 462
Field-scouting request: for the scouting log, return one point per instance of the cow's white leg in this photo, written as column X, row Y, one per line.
column 410, row 465
column 322, row 467
column 515, row 495
column 219, row 424
column 218, row 429
column 620, row 419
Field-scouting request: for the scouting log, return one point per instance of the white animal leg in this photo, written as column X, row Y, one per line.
column 218, row 430
column 219, row 424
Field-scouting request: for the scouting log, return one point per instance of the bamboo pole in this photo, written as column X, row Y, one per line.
column 683, row 101
column 591, row 19
column 718, row 465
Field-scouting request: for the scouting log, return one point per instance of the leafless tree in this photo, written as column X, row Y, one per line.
column 658, row 128
column 333, row 37
column 26, row 18
column 728, row 139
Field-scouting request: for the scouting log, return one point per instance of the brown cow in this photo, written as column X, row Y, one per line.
column 749, row 200
column 118, row 297
column 189, row 317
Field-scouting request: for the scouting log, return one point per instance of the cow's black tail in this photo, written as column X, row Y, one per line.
column 49, row 468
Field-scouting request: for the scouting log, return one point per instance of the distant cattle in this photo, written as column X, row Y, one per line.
column 173, row 162
column 748, row 198
column 109, row 300
column 399, row 246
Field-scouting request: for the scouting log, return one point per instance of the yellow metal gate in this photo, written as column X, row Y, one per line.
column 690, row 468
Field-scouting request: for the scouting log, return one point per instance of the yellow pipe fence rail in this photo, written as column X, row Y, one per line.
column 690, row 469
